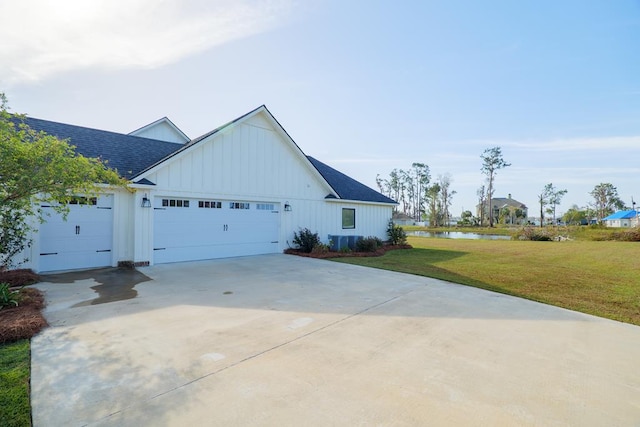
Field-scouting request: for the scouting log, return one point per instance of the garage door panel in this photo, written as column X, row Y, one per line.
column 197, row 233
column 83, row 240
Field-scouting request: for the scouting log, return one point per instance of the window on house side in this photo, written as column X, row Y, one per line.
column 348, row 218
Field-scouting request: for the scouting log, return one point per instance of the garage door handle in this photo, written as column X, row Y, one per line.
column 49, row 253
column 77, row 229
column 104, row 250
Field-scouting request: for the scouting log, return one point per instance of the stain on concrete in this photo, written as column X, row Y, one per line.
column 115, row 284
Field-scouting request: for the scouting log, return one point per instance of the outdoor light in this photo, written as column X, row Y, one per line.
column 287, row 207
column 146, row 202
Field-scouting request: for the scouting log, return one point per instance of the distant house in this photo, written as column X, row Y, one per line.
column 622, row 219
column 509, row 209
column 402, row 219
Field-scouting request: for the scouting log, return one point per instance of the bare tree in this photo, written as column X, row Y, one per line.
column 433, row 197
column 445, row 196
column 482, row 196
column 492, row 161
column 543, row 200
column 555, row 197
column 605, row 200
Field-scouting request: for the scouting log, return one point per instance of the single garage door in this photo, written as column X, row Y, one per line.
column 196, row 229
column 84, row 240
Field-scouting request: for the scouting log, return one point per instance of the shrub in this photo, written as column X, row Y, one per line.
column 8, row 297
column 534, row 234
column 320, row 248
column 368, row 244
column 627, row 236
column 305, row 240
column 396, row 234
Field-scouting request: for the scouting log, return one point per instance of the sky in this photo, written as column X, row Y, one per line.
column 364, row 86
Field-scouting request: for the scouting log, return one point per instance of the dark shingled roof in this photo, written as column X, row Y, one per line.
column 346, row 187
column 131, row 155
column 127, row 154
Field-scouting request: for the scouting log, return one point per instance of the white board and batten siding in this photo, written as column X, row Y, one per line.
column 250, row 162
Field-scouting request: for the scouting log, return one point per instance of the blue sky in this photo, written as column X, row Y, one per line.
column 363, row 86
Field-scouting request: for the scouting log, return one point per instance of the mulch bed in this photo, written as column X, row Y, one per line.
column 19, row 277
column 25, row 320
column 323, row 255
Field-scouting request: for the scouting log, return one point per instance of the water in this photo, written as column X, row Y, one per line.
column 457, row 235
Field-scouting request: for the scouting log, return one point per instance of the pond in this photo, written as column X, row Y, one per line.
column 457, row 235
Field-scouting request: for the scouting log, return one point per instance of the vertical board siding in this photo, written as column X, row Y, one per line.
column 252, row 162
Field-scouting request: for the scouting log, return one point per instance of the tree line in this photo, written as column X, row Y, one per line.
column 421, row 199
column 417, row 196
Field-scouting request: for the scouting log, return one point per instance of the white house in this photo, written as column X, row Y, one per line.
column 241, row 189
column 622, row 219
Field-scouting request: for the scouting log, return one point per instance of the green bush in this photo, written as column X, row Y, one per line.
column 8, row 297
column 368, row 244
column 396, row 234
column 305, row 240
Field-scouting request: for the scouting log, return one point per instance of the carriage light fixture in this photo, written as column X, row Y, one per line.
column 287, row 207
column 146, row 202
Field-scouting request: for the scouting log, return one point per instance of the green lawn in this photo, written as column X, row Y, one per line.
column 600, row 278
column 15, row 409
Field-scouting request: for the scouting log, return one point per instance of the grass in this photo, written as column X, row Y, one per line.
column 599, row 278
column 15, row 409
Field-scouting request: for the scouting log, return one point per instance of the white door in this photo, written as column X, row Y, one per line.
column 196, row 229
column 84, row 240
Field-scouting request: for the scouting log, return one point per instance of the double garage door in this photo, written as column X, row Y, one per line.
column 196, row 229
column 84, row 240
column 184, row 230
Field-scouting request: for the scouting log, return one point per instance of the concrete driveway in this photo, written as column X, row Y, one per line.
column 282, row 340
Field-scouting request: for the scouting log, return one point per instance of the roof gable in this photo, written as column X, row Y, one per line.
column 163, row 130
column 127, row 154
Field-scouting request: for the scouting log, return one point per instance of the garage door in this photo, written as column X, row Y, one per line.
column 195, row 229
column 84, row 240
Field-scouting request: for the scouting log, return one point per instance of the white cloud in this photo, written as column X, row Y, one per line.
column 574, row 144
column 42, row 38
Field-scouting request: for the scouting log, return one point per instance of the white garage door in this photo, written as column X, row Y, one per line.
column 84, row 240
column 195, row 229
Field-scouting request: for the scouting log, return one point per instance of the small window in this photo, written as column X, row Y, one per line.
column 78, row 200
column 175, row 203
column 265, row 206
column 209, row 204
column 239, row 205
column 348, row 218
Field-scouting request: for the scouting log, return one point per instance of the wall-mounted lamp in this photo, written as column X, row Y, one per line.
column 146, row 202
column 287, row 207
